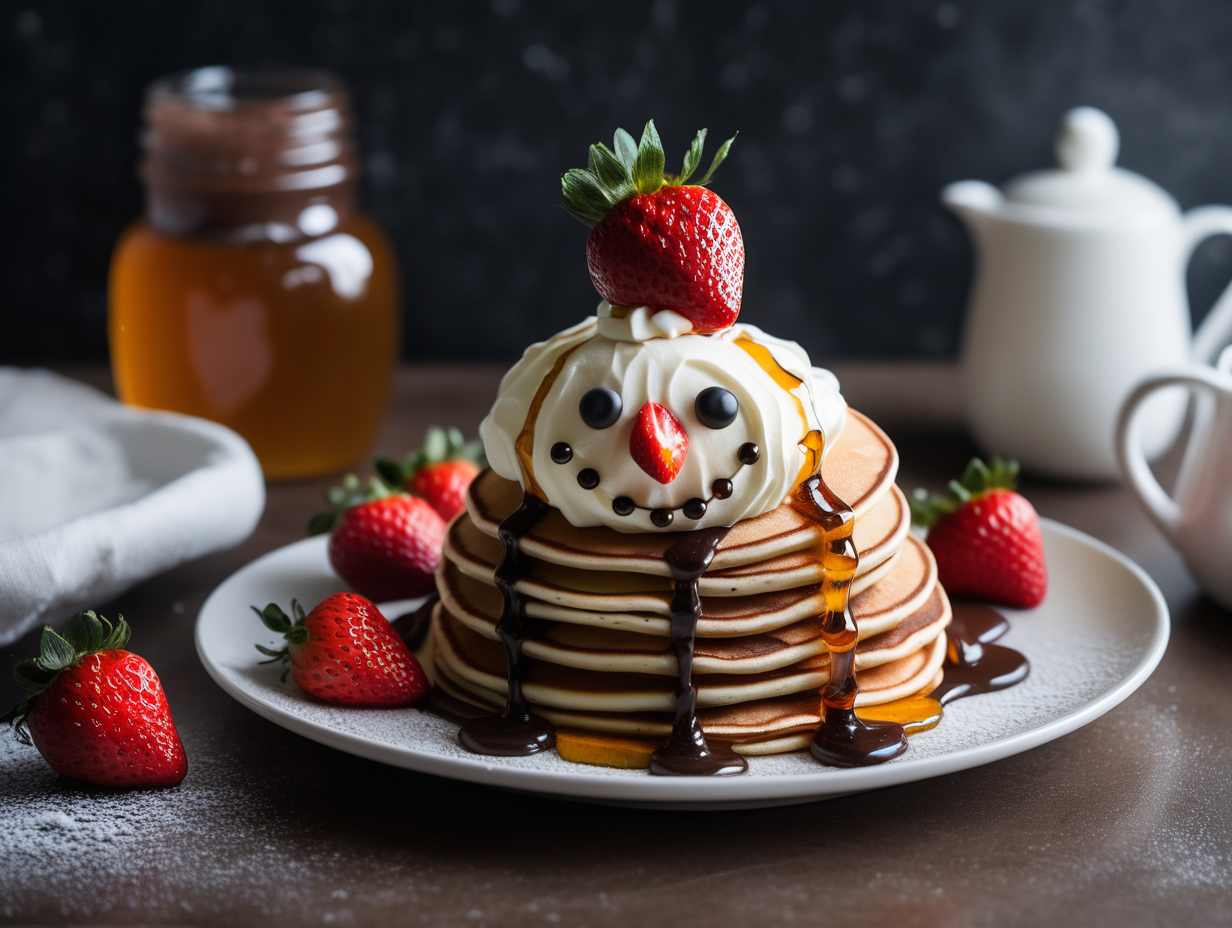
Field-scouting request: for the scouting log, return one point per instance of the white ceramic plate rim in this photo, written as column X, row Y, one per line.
column 706, row 792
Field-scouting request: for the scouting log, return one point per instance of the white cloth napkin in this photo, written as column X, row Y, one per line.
column 96, row 496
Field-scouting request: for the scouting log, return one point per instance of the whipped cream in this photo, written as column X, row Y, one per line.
column 640, row 323
column 777, row 409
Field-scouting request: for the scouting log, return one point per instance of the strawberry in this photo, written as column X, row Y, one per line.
column 441, row 471
column 444, row 485
column 654, row 240
column 986, row 538
column 658, row 443
column 386, row 545
column 346, row 653
column 96, row 712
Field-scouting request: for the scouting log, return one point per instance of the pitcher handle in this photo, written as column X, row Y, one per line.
column 1216, row 329
column 1161, row 507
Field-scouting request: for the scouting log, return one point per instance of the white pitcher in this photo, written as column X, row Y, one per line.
column 1079, row 294
column 1198, row 521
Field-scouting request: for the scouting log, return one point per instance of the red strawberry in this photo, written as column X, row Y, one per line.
column 654, row 241
column 986, row 538
column 441, row 471
column 658, row 443
column 388, row 548
column 96, row 712
column 444, row 485
column 345, row 652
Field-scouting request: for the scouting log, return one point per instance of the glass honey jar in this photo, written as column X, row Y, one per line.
column 253, row 292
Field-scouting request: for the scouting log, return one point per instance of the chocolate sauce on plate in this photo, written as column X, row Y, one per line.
column 516, row 732
column 687, row 752
column 973, row 664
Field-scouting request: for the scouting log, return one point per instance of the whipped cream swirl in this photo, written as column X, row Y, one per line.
column 644, row 359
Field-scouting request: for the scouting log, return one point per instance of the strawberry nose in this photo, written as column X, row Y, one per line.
column 659, row 442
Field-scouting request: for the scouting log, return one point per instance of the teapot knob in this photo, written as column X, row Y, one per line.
column 1088, row 140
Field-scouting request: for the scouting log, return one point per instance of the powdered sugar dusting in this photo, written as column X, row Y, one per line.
column 1070, row 666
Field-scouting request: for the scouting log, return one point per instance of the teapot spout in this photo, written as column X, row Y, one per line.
column 972, row 200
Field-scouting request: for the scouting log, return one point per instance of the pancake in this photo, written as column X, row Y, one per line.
column 601, row 657
column 726, row 625
column 860, row 469
column 762, row 726
column 472, row 659
column 608, row 585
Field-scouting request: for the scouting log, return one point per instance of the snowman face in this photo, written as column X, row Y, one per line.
column 729, row 429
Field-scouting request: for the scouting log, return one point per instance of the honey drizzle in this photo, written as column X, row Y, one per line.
column 812, row 442
column 915, row 713
column 843, row 739
column 524, row 445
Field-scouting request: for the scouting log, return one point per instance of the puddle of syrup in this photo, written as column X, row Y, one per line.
column 516, row 732
column 686, row 752
column 843, row 739
column 915, row 713
column 973, row 664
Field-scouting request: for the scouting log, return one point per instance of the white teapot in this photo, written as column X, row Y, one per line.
column 1079, row 295
column 1197, row 518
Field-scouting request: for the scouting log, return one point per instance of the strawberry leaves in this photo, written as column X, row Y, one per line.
column 342, row 498
column 719, row 157
column 279, row 622
column 439, row 445
column 977, row 480
column 85, row 633
column 692, row 157
column 634, row 167
column 648, row 168
column 392, row 476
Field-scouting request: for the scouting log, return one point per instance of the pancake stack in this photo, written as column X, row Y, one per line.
column 601, row 658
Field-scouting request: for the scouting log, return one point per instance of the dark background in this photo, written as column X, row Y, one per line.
column 852, row 116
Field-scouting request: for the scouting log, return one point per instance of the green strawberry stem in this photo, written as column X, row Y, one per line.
column 977, row 480
column 590, row 193
column 439, row 445
column 294, row 632
column 342, row 498
column 84, row 634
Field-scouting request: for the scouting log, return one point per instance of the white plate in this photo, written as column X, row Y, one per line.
column 1095, row 639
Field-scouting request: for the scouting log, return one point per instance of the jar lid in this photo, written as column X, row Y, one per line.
column 1088, row 179
column 249, row 130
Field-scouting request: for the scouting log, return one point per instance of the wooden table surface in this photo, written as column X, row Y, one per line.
column 1127, row 821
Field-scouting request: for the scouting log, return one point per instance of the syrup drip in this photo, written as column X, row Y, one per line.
column 686, row 752
column 973, row 664
column 843, row 739
column 812, row 442
column 516, row 732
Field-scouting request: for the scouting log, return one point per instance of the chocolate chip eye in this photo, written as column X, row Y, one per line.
column 716, row 408
column 600, row 407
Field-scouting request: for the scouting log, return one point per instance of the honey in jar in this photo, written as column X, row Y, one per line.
column 253, row 292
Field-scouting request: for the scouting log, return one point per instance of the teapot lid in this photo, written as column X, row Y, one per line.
column 1088, row 179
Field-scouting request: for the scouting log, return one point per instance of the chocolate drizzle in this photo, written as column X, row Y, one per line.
column 843, row 740
column 687, row 752
column 516, row 732
column 973, row 664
